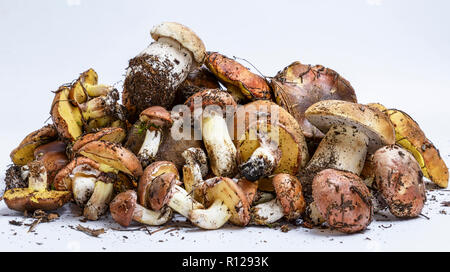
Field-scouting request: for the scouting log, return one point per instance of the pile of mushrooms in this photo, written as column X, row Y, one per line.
column 294, row 147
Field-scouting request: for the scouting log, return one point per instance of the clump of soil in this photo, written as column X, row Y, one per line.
column 14, row 178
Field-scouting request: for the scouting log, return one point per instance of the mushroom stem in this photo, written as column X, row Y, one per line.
column 82, row 189
column 97, row 90
column 343, row 148
column 98, row 203
column 37, row 178
column 212, row 218
column 181, row 202
column 267, row 212
column 220, row 147
column 150, row 146
column 149, row 217
column 195, row 169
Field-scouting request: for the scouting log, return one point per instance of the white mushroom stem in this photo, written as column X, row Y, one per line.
column 220, row 147
column 315, row 215
column 97, row 90
column 149, row 217
column 37, row 179
column 181, row 202
column 150, row 146
column 212, row 218
column 267, row 212
column 99, row 201
column 169, row 51
column 82, row 189
column 195, row 169
column 343, row 148
column 262, row 197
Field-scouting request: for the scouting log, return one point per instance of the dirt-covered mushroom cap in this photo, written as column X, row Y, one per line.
column 151, row 172
column 161, row 189
column 157, row 116
column 399, row 180
column 24, row 153
column 342, row 200
column 231, row 72
column 376, row 126
column 289, row 193
column 226, row 190
column 209, row 97
column 113, row 155
column 122, row 207
column 109, row 134
column 298, row 86
column 182, row 34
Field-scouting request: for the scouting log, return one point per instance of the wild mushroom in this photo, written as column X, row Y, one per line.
column 124, row 209
column 225, row 201
column 268, row 141
column 410, row 136
column 238, row 79
column 298, row 86
column 164, row 191
column 109, row 134
column 342, row 200
column 198, row 79
column 36, row 196
column 153, row 121
column 154, row 75
column 352, row 130
column 399, row 180
column 24, row 153
column 289, row 202
column 195, row 169
column 53, row 155
column 220, row 147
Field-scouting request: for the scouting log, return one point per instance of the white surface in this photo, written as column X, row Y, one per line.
column 393, row 52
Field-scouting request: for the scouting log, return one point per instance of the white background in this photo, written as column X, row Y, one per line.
column 393, row 52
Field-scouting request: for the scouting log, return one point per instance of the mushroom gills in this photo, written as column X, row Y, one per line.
column 150, row 145
column 267, row 213
column 343, row 148
column 212, row 218
column 182, row 202
column 98, row 203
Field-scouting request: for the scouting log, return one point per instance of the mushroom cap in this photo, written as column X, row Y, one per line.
column 182, row 34
column 160, row 190
column 157, row 116
column 249, row 188
column 231, row 194
column 298, row 86
column 24, row 153
column 113, row 155
column 209, row 97
column 54, row 157
column 122, row 207
column 150, row 173
column 289, row 193
column 343, row 200
column 26, row 199
column 231, row 72
column 377, row 126
column 66, row 117
column 109, row 134
column 62, row 180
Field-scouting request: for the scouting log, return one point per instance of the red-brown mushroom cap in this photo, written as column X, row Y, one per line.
column 122, row 207
column 150, row 173
column 109, row 134
column 62, row 180
column 343, row 200
column 156, row 116
column 289, row 193
column 54, row 157
column 160, row 190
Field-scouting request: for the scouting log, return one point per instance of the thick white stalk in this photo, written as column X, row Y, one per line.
column 99, row 201
column 82, row 189
column 182, row 202
column 149, row 217
column 267, row 212
column 212, row 218
column 150, row 146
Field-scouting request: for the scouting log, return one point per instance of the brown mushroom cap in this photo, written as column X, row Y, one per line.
column 249, row 188
column 298, row 86
column 151, row 172
column 399, row 179
column 157, row 116
column 26, row 199
column 62, row 180
column 289, row 193
column 109, row 134
column 232, row 196
column 182, row 34
column 54, row 157
column 24, row 153
column 211, row 97
column 160, row 190
column 122, row 207
column 343, row 200
column 377, row 126
column 198, row 79
column 232, row 72
column 113, row 155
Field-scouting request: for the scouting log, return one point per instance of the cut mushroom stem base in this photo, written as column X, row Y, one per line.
column 98, row 203
column 150, row 147
column 182, row 202
column 261, row 164
column 343, row 148
column 212, row 218
column 267, row 213
column 149, row 217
